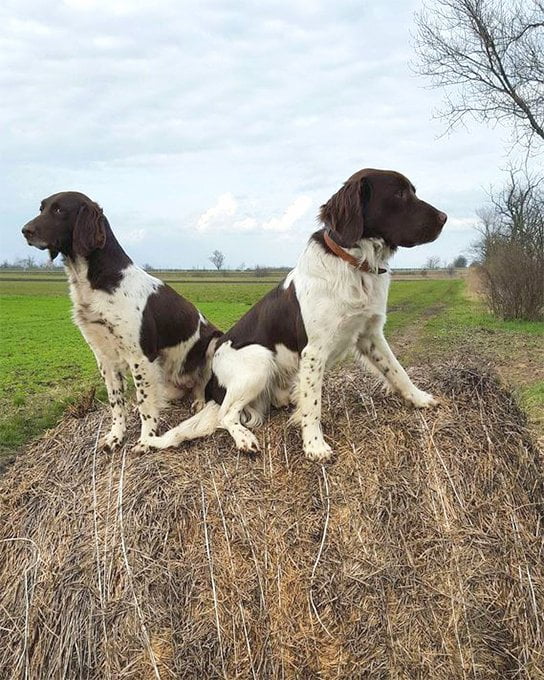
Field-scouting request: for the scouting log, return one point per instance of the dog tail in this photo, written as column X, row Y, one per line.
column 201, row 424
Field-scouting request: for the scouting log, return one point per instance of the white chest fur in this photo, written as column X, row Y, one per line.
column 110, row 322
column 337, row 301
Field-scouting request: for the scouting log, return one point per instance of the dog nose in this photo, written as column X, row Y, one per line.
column 442, row 217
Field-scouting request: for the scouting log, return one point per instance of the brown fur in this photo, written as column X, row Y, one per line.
column 381, row 204
column 89, row 230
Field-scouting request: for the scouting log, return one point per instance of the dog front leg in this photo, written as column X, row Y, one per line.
column 147, row 378
column 308, row 413
column 376, row 351
column 115, row 385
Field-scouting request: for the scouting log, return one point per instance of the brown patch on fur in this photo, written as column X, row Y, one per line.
column 275, row 319
column 89, row 230
column 167, row 320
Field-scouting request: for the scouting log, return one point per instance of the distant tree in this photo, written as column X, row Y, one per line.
column 460, row 262
column 432, row 262
column 489, row 57
column 260, row 271
column 217, row 259
column 28, row 262
column 148, row 267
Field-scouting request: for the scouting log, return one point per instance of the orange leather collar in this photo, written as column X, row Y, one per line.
column 344, row 255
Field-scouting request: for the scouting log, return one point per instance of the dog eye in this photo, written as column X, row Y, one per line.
column 401, row 193
column 57, row 210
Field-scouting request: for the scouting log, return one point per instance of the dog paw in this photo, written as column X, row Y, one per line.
column 111, row 441
column 421, row 399
column 144, row 445
column 247, row 442
column 318, row 451
column 140, row 448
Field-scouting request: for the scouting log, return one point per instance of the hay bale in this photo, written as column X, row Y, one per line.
column 416, row 554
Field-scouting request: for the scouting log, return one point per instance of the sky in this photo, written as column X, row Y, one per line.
column 225, row 125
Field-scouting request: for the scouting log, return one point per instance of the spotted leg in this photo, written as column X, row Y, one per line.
column 308, row 413
column 147, row 378
column 375, row 350
column 113, row 377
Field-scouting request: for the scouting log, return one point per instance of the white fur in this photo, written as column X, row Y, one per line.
column 111, row 323
column 344, row 311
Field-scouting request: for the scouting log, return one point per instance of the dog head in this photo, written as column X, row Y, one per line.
column 381, row 204
column 68, row 223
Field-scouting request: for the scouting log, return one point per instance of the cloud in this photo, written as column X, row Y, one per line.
column 134, row 236
column 291, row 215
column 159, row 110
column 247, row 224
column 121, row 7
column 216, row 217
column 220, row 217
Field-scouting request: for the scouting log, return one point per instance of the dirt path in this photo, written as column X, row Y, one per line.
column 517, row 356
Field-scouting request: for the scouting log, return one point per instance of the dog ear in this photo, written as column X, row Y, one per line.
column 344, row 212
column 89, row 230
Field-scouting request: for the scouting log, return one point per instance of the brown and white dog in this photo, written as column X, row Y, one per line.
column 331, row 304
column 131, row 320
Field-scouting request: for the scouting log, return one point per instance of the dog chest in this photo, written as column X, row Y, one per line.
column 102, row 319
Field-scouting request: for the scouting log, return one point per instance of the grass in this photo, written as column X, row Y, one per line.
column 45, row 365
column 461, row 323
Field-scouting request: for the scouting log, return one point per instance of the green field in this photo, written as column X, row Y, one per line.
column 46, row 365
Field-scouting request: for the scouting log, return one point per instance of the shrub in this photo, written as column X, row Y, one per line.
column 511, row 249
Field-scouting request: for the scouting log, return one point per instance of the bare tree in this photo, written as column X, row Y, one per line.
column 28, row 262
column 511, row 248
column 489, row 56
column 432, row 262
column 217, row 259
